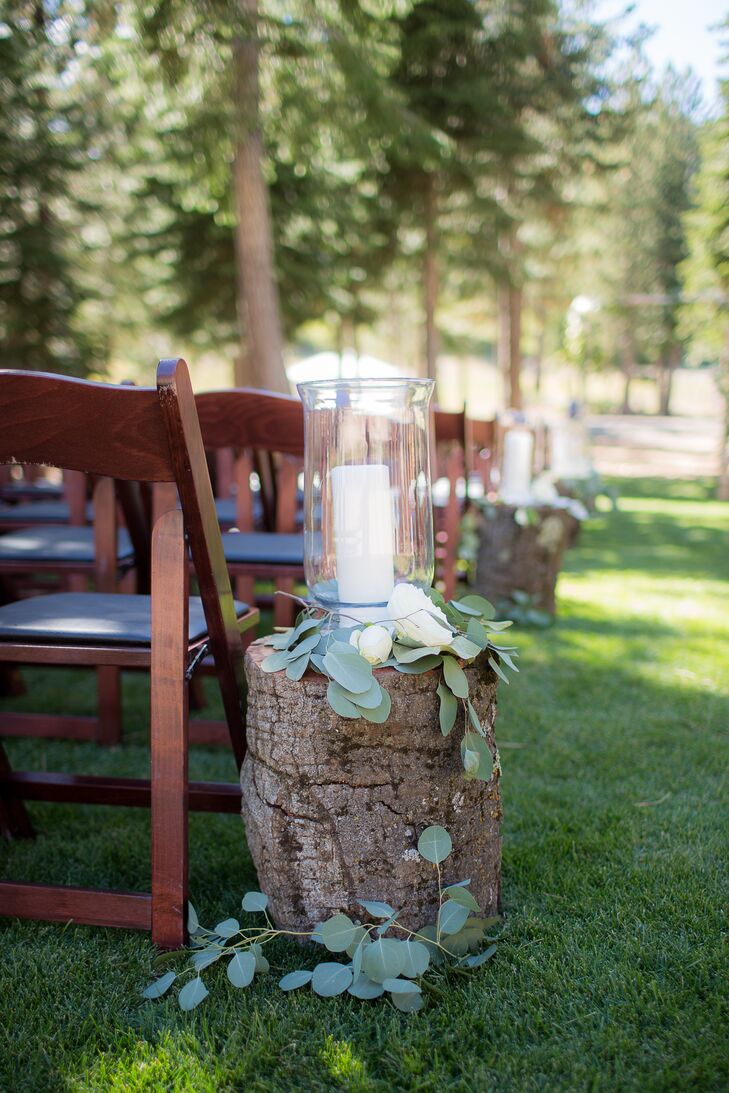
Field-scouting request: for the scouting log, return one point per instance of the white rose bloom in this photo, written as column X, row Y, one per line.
column 416, row 616
column 374, row 643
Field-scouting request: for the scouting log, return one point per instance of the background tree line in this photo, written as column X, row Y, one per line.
column 232, row 171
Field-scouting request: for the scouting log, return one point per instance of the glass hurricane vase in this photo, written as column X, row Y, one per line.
column 368, row 516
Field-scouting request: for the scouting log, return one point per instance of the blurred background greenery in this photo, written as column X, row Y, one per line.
column 507, row 195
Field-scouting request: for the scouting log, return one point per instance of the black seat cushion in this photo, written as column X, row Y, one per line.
column 263, row 548
column 94, row 617
column 58, row 544
column 225, row 508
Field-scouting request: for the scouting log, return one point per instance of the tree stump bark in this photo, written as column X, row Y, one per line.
column 333, row 807
column 514, row 558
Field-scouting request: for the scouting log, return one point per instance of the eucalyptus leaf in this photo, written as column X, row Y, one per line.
column 417, row 959
column 330, row 979
column 383, row 959
column 294, row 980
column 376, row 908
column 357, row 961
column 203, row 958
column 303, row 627
column 464, row 648
column 405, row 655
column 361, row 937
column 420, row 666
column 477, row 633
column 451, row 917
column 462, row 895
column 428, row 936
column 480, row 958
column 385, row 926
column 192, row 994
column 499, row 670
column 317, row 662
column 158, row 988
column 193, row 924
column 498, row 627
column 241, row 969
column 297, row 668
column 448, row 708
column 436, row 597
column 276, row 662
column 262, row 965
column 381, row 712
column 408, row 1003
column 228, row 927
column 366, row 988
column 504, row 655
column 472, row 742
column 455, row 677
column 455, row 944
column 254, row 901
column 339, row 703
column 351, row 671
column 470, row 761
column 401, row 986
column 435, row 844
column 478, row 603
column 370, row 700
column 473, row 718
column 337, row 933
column 465, row 608
column 306, row 645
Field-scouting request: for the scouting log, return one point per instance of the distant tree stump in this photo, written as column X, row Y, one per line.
column 520, row 558
column 334, row 807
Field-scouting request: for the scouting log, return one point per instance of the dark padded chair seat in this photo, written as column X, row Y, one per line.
column 40, row 512
column 58, row 544
column 225, row 508
column 263, row 548
column 93, row 617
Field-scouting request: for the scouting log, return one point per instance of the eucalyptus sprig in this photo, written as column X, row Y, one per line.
column 385, row 958
column 470, row 630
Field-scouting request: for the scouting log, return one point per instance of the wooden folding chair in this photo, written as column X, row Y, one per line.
column 480, row 451
column 130, row 434
column 265, row 432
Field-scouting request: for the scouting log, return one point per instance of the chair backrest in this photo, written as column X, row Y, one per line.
column 261, row 431
column 480, row 448
column 134, row 434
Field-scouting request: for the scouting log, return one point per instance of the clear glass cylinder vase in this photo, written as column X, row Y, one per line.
column 368, row 514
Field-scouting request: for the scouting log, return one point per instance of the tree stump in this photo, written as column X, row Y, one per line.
column 334, row 807
column 520, row 558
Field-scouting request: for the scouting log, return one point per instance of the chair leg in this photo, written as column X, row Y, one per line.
column 196, row 691
column 15, row 822
column 169, row 729
column 244, row 588
column 108, row 686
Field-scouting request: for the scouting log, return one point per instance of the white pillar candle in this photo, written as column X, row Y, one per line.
column 363, row 533
column 516, row 469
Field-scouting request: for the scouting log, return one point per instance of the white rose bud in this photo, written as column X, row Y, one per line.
column 375, row 644
column 354, row 638
column 544, row 491
column 416, row 617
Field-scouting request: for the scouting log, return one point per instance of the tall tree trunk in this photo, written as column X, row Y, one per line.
column 430, row 277
column 515, row 302
column 541, row 315
column 261, row 361
column 722, row 486
column 628, row 355
column 503, row 339
column 669, row 364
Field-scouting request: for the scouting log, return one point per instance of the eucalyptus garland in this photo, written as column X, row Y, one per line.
column 384, row 959
column 465, row 629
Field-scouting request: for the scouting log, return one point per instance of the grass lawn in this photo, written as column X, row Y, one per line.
column 609, row 975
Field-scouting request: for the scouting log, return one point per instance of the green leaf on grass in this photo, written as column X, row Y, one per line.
column 241, row 969
column 383, row 959
column 455, row 677
column 408, row 1003
column 435, row 844
column 158, row 988
column 192, row 920
column 417, row 959
column 366, row 988
column 294, row 980
column 330, row 979
column 204, row 958
column 262, row 965
column 228, row 927
column 192, row 994
column 480, row 958
column 401, row 986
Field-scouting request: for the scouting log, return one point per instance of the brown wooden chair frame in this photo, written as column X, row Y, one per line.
column 149, row 435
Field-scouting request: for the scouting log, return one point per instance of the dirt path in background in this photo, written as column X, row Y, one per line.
column 670, row 447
